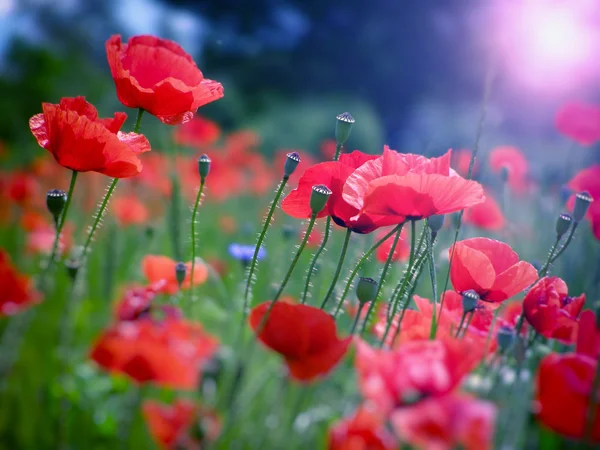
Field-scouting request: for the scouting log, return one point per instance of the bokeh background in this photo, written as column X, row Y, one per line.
column 411, row 72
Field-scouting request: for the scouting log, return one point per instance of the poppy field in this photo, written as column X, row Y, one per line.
column 190, row 292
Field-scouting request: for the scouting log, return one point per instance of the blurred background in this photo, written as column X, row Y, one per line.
column 411, row 72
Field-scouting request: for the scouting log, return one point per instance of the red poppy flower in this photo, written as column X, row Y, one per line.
column 332, row 174
column 167, row 353
column 446, row 423
column 510, row 316
column 136, row 301
column 81, row 141
column 398, row 186
column 198, row 132
column 22, row 188
column 33, row 220
column 513, row 160
column 158, row 268
column 41, row 239
column 182, row 425
column 158, row 76
column 327, row 148
column 17, row 293
column 486, row 215
column 129, row 210
column 588, row 336
column 305, row 336
column 589, row 180
column 363, row 430
column 551, row 312
column 491, row 268
column 413, row 371
column 580, row 122
column 461, row 160
column 564, row 390
column 402, row 251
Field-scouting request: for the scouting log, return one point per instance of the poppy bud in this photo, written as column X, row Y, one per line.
column 343, row 127
column 318, row 198
column 72, row 266
column 291, row 162
column 582, row 203
column 366, row 290
column 505, row 338
column 469, row 300
column 203, row 167
column 562, row 224
column 180, row 271
column 149, row 231
column 288, row 231
column 435, row 222
column 504, row 174
column 55, row 201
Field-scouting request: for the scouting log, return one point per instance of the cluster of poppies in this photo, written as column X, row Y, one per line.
column 413, row 356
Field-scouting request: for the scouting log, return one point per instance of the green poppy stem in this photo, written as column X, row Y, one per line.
column 356, row 318
column 338, row 269
column 194, row 212
column 98, row 218
column 313, row 262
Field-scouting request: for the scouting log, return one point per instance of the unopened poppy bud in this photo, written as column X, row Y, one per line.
column 343, row 127
column 504, row 174
column 291, row 162
column 72, row 266
column 318, row 198
column 582, row 203
column 469, row 300
column 180, row 272
column 366, row 290
column 149, row 231
column 435, row 222
column 288, row 231
column 56, row 200
column 203, row 167
column 562, row 224
column 505, row 338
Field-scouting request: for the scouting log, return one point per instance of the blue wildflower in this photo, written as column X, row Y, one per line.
column 244, row 252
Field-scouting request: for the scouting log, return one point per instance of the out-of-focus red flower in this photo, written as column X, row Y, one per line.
column 155, row 174
column 158, row 268
column 447, row 422
column 551, row 312
column 158, row 76
column 589, row 180
column 564, row 390
column 198, row 132
column 402, row 251
column 23, row 188
column 327, row 148
column 41, row 239
column 136, row 301
column 33, row 220
column 491, row 268
column 510, row 316
column 461, row 159
column 486, row 215
column 399, row 186
column 129, row 210
column 17, row 292
column 305, row 336
column 363, row 430
column 81, row 141
column 413, row 371
column 580, row 122
column 511, row 159
column 315, row 238
column 332, row 174
column 227, row 224
column 167, row 353
column 182, row 425
column 588, row 337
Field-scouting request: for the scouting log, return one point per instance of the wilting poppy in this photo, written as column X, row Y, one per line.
column 17, row 291
column 398, row 186
column 363, row 430
column 588, row 337
column 588, row 180
column 332, row 174
column 512, row 160
column 490, row 268
column 580, row 122
column 413, row 371
column 305, row 336
column 198, row 132
column 158, row 268
column 129, row 210
column 182, row 425
column 79, row 140
column 401, row 252
column 136, row 301
column 445, row 423
column 158, row 76
column 168, row 352
column 564, row 392
column 486, row 215
column 551, row 312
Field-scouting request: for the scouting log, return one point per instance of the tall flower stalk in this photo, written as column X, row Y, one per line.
column 203, row 169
